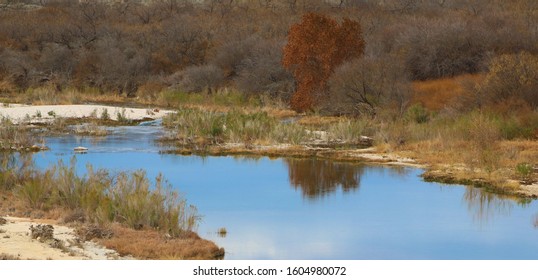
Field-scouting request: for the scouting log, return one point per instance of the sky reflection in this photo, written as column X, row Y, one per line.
column 319, row 209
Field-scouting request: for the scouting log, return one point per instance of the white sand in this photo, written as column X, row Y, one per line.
column 15, row 240
column 46, row 113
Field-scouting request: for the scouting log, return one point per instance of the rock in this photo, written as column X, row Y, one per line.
column 80, row 149
column 366, row 141
column 3, row 221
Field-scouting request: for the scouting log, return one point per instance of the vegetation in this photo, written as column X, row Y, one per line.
column 126, row 198
column 16, row 138
column 209, row 127
column 315, row 47
column 123, row 210
column 452, row 84
column 140, row 48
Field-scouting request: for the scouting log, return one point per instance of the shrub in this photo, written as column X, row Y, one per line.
column 200, row 78
column 104, row 114
column 418, row 114
column 512, row 76
column 443, row 48
column 363, row 86
column 524, row 171
column 121, row 116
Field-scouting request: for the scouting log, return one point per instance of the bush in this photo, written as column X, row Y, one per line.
column 200, row 78
column 512, row 76
column 261, row 72
column 418, row 114
column 444, row 48
column 363, row 86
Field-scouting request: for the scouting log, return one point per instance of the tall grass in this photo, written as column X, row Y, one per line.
column 348, row 130
column 191, row 125
column 14, row 137
column 127, row 198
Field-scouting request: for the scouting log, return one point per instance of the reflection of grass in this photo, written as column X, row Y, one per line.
column 485, row 204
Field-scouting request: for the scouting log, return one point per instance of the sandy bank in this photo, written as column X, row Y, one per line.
column 46, row 113
column 15, row 240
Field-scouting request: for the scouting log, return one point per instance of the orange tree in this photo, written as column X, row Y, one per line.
column 316, row 46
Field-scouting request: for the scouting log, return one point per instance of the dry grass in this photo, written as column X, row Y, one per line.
column 438, row 94
column 316, row 120
column 49, row 95
column 463, row 162
column 149, row 244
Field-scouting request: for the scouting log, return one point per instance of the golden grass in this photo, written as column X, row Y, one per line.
column 434, row 95
column 457, row 161
column 150, row 244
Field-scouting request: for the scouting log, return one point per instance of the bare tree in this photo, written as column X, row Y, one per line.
column 363, row 86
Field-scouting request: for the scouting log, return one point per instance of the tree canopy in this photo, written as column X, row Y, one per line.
column 316, row 46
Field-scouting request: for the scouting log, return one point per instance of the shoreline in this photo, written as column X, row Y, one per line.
column 440, row 173
column 447, row 174
column 16, row 242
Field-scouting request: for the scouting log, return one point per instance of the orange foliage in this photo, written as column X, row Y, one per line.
column 316, row 46
column 437, row 94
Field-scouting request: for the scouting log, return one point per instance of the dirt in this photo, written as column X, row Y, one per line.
column 51, row 241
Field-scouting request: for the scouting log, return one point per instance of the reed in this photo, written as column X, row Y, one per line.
column 127, row 198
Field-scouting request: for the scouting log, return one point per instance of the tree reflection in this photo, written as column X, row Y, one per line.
column 318, row 178
column 485, row 205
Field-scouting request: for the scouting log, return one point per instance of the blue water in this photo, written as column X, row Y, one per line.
column 318, row 209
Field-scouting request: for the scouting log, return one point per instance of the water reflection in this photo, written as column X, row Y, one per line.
column 259, row 202
column 319, row 178
column 484, row 205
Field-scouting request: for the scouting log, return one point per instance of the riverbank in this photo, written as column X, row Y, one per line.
column 497, row 182
column 16, row 242
column 19, row 241
column 35, row 114
column 278, row 133
column 317, row 140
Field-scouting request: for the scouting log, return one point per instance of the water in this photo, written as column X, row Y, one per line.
column 318, row 209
